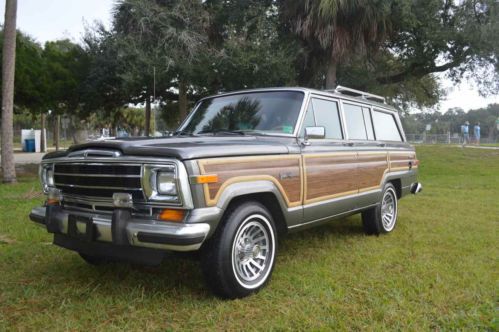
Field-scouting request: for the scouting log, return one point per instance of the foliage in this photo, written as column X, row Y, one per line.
column 436, row 271
column 333, row 31
column 393, row 47
column 173, row 50
column 31, row 81
column 165, row 36
column 67, row 66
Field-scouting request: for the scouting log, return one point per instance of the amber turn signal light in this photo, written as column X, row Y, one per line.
column 210, row 178
column 52, row 201
column 172, row 215
column 54, row 196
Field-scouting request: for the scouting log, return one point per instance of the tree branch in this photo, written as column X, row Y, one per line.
column 416, row 70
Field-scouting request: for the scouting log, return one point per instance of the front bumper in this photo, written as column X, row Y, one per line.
column 122, row 229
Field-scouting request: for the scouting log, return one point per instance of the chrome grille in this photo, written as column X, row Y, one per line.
column 99, row 180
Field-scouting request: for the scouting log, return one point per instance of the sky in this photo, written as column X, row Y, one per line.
column 47, row 20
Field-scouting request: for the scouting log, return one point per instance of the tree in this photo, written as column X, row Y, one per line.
column 395, row 47
column 67, row 67
column 331, row 31
column 30, row 88
column 8, row 72
column 159, row 42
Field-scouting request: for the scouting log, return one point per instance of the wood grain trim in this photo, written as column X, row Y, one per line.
column 392, row 158
column 322, row 187
column 230, row 175
column 350, row 192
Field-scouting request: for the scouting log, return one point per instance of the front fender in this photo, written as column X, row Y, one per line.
column 247, row 188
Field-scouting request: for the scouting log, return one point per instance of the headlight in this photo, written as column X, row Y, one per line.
column 46, row 172
column 166, row 183
column 160, row 183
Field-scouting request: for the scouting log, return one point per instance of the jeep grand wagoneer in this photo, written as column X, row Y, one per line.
column 243, row 169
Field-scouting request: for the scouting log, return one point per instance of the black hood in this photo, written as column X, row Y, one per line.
column 185, row 148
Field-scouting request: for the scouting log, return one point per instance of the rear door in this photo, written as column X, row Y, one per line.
column 372, row 157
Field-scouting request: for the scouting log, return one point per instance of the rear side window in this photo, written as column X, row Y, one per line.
column 326, row 115
column 354, row 119
column 385, row 127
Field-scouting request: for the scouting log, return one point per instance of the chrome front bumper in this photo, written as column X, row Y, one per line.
column 146, row 233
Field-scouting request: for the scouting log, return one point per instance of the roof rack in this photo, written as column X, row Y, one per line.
column 358, row 93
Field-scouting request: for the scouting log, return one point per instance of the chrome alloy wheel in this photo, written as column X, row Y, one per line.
column 253, row 251
column 389, row 210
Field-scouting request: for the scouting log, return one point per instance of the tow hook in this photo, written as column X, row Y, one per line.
column 416, row 188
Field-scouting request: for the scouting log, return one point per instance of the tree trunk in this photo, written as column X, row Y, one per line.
column 148, row 116
column 182, row 100
column 331, row 75
column 8, row 72
column 56, row 131
column 42, row 136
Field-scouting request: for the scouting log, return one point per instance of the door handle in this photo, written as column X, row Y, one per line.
column 382, row 145
column 348, row 144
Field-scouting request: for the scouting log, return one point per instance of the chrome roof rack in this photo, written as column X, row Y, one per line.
column 358, row 93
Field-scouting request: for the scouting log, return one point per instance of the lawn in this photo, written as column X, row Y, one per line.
column 438, row 270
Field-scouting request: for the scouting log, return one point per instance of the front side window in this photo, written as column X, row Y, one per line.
column 326, row 115
column 266, row 112
column 385, row 127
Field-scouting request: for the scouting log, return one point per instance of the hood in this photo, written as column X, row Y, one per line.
column 185, row 148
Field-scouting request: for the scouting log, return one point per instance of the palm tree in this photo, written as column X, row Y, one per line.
column 8, row 71
column 333, row 30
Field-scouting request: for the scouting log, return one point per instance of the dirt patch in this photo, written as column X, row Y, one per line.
column 4, row 239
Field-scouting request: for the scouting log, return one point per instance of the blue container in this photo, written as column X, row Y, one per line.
column 30, row 145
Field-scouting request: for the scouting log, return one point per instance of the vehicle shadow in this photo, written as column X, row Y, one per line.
column 179, row 275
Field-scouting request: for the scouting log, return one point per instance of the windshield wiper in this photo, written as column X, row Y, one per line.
column 229, row 132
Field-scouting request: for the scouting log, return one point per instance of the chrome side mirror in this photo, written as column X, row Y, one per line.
column 314, row 133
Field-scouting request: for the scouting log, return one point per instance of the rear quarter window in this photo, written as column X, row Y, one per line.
column 385, row 127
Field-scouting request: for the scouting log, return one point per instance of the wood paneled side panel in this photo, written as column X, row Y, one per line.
column 400, row 160
column 371, row 169
column 330, row 175
column 284, row 171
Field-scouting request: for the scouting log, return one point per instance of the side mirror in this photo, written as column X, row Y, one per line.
column 315, row 133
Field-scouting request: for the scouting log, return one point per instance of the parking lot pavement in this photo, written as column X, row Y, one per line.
column 27, row 158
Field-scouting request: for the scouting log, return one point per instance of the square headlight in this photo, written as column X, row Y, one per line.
column 47, row 176
column 166, row 183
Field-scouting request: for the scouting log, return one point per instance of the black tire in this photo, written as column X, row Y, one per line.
column 245, row 235
column 95, row 260
column 372, row 219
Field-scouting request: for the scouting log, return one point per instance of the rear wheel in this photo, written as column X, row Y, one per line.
column 383, row 217
column 239, row 258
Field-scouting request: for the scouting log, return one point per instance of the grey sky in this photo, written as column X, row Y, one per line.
column 55, row 19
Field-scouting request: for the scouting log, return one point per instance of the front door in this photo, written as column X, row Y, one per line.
column 330, row 165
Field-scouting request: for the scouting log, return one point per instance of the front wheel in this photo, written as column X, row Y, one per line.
column 383, row 217
column 239, row 258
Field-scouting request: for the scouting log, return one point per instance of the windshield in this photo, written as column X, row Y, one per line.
column 263, row 112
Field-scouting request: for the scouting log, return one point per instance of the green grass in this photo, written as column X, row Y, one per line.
column 438, row 270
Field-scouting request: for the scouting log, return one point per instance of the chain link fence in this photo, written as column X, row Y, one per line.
column 445, row 139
